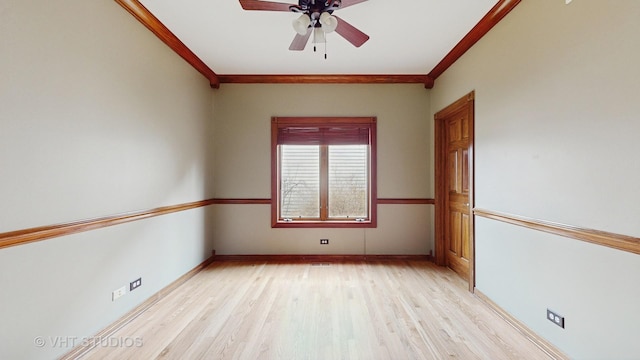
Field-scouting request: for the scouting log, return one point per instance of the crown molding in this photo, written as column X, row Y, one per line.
column 326, row 79
column 497, row 13
column 135, row 8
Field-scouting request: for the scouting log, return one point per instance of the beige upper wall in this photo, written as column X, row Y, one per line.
column 97, row 117
column 242, row 136
column 556, row 130
column 92, row 125
column 243, row 126
column 557, row 89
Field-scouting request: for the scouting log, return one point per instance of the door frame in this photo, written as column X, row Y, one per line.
column 442, row 180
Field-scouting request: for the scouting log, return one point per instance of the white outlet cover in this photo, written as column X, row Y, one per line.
column 118, row 293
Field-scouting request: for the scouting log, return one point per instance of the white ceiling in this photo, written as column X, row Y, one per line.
column 406, row 36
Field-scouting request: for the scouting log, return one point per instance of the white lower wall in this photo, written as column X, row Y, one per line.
column 246, row 230
column 556, row 124
column 97, row 117
column 59, row 291
column 593, row 287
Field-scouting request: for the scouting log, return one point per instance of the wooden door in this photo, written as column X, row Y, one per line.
column 458, row 218
column 454, row 187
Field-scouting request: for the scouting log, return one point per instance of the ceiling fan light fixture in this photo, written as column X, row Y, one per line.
column 329, row 23
column 318, row 36
column 301, row 24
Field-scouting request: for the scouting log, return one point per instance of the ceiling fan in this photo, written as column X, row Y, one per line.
column 316, row 17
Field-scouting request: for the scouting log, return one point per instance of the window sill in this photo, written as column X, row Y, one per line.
column 323, row 224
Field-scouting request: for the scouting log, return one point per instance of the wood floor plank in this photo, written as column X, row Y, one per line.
column 337, row 310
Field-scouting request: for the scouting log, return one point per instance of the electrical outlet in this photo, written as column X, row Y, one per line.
column 555, row 318
column 324, row 241
column 118, row 293
column 135, row 284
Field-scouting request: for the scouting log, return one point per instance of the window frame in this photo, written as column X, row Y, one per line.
column 284, row 122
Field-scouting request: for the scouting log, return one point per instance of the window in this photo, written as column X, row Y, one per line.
column 323, row 172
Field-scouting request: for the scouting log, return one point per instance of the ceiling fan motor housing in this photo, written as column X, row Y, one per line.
column 317, row 6
column 315, row 10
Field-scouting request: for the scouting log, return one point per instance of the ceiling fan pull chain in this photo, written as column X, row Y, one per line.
column 313, row 29
column 325, row 48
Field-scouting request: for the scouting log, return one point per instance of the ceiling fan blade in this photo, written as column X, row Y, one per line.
column 300, row 41
column 265, row 5
column 346, row 3
column 350, row 33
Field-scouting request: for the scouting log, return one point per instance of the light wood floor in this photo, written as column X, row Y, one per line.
column 364, row 310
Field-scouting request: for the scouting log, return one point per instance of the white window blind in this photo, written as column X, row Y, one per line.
column 348, row 181
column 300, row 181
